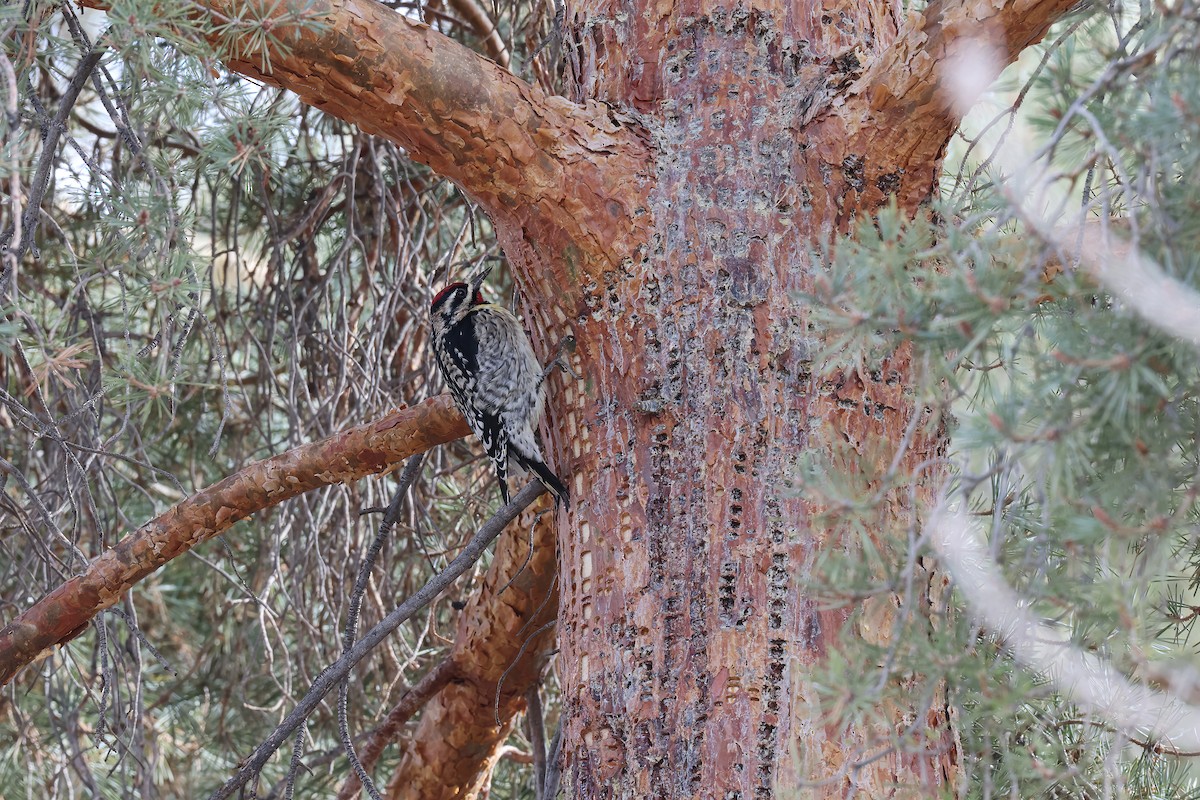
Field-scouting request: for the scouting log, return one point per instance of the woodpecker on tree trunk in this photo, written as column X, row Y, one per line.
column 496, row 381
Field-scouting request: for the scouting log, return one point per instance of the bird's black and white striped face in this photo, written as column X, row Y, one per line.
column 451, row 304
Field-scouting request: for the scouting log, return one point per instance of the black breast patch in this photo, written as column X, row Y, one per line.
column 462, row 346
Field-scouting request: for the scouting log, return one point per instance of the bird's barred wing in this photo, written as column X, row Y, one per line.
column 506, row 365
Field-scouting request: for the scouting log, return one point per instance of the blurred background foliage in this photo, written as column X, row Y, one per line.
column 219, row 273
column 1073, row 421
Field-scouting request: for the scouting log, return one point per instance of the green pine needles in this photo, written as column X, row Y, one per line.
column 1073, row 420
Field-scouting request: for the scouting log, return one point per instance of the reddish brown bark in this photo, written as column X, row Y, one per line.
column 501, row 635
column 898, row 116
column 366, row 450
column 484, row 27
column 394, row 722
column 554, row 176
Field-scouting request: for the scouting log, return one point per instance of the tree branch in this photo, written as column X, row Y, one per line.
column 484, row 27
column 51, row 131
column 905, row 106
column 911, row 81
column 555, row 170
column 349, row 456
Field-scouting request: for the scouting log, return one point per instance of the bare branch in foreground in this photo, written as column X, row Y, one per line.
column 1088, row 680
column 1120, row 266
column 1137, row 279
column 332, row 675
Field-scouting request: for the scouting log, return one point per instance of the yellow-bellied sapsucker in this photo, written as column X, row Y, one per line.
column 496, row 380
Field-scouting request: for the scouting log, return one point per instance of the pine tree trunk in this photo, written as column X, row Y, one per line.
column 686, row 632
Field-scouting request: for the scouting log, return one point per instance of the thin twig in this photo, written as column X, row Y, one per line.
column 516, row 660
column 297, row 754
column 565, row 346
column 411, row 470
column 8, row 258
column 412, row 700
column 554, row 765
column 41, row 178
column 528, row 556
column 327, row 680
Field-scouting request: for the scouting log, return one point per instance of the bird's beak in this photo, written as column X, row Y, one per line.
column 478, row 278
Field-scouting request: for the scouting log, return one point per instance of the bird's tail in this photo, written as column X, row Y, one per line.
column 556, row 487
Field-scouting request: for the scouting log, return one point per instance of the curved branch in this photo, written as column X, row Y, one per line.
column 1086, row 679
column 915, row 77
column 366, row 450
column 555, row 170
